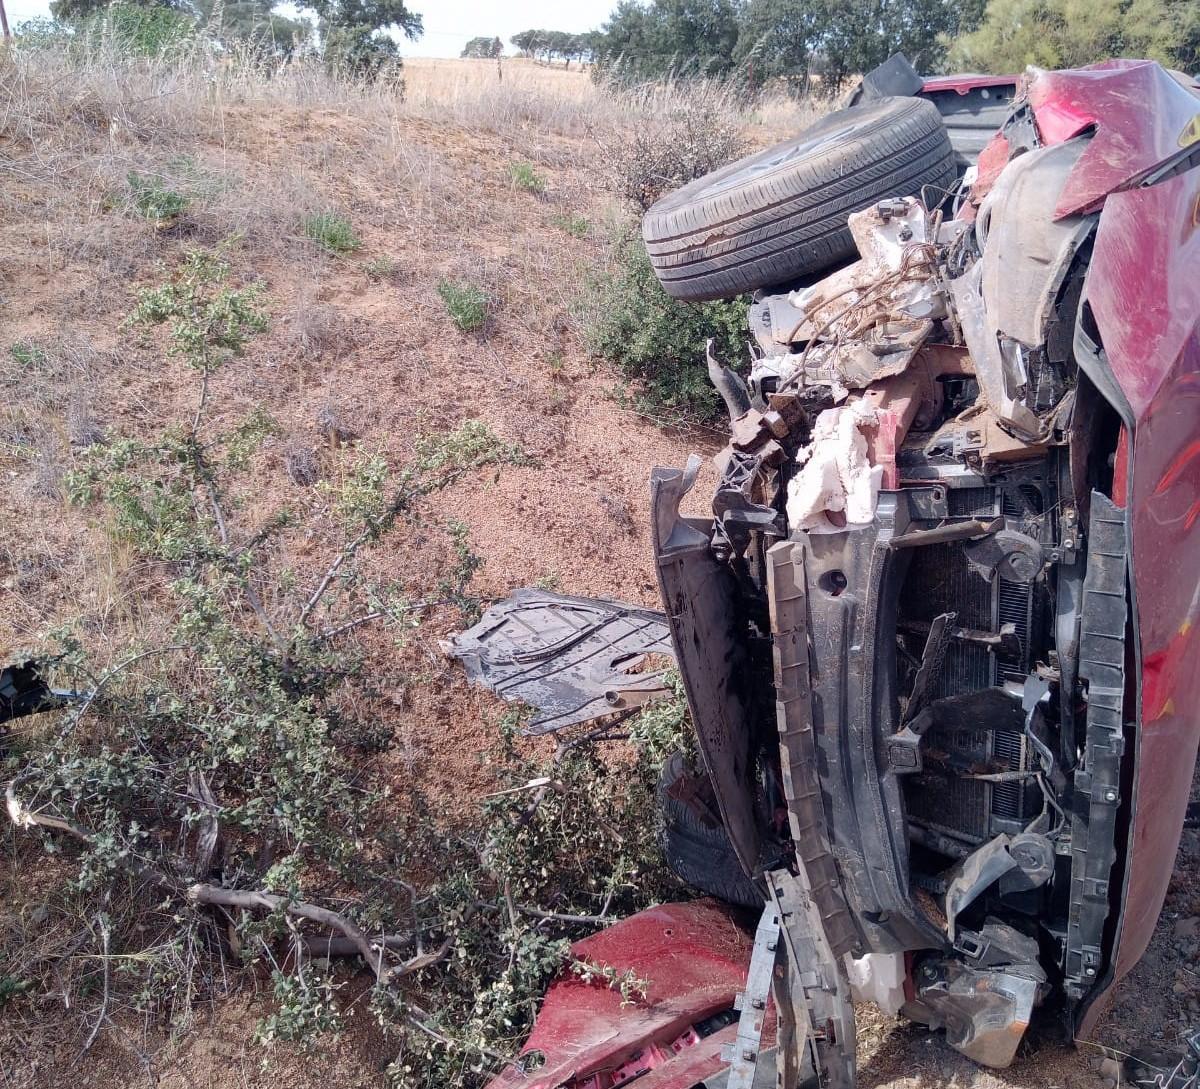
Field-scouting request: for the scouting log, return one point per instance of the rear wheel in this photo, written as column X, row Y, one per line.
column 781, row 214
column 694, row 840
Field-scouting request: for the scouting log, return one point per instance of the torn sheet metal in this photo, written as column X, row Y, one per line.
column 573, row 658
column 865, row 321
column 693, row 957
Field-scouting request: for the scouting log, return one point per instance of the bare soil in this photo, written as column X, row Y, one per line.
column 377, row 354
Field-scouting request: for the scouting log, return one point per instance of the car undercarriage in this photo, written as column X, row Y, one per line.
column 915, row 632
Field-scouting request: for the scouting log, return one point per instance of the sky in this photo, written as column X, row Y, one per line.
column 449, row 24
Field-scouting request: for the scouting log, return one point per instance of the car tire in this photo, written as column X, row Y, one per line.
column 780, row 214
column 697, row 850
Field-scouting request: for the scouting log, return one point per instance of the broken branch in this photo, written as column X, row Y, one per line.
column 372, row 950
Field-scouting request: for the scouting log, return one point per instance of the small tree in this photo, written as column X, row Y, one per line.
column 1070, row 33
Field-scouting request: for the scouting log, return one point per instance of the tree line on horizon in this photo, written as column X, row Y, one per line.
column 823, row 43
column 805, row 44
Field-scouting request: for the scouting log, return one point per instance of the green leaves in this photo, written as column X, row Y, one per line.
column 525, row 177
column 209, row 322
column 154, row 200
column 466, row 303
column 657, row 342
column 332, row 232
column 1072, row 33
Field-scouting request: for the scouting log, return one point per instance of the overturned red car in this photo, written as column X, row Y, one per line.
column 939, row 636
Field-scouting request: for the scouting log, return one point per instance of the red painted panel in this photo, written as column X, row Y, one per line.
column 1142, row 117
column 1145, row 293
column 695, row 957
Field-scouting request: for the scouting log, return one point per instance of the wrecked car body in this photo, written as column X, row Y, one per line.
column 944, row 613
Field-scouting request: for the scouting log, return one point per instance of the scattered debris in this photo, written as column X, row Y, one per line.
column 575, row 659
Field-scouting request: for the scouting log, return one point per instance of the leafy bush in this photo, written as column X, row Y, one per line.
column 218, row 763
column 576, row 225
column 381, row 268
column 466, row 304
column 26, row 353
column 658, row 342
column 523, row 176
column 332, row 232
column 1068, row 34
column 137, row 29
column 154, row 200
column 696, row 130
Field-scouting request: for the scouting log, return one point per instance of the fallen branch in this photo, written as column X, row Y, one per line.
column 372, row 950
column 252, row 900
column 335, row 946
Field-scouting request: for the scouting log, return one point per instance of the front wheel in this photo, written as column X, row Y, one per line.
column 780, row 214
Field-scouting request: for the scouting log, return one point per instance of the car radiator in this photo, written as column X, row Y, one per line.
column 942, row 798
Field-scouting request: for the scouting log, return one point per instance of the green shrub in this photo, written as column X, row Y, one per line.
column 137, row 29
column 379, row 269
column 363, row 53
column 150, row 198
column 657, row 342
column 466, row 303
column 26, row 353
column 220, row 754
column 573, row 223
column 332, row 232
column 524, row 176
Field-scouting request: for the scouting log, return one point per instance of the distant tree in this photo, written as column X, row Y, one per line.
column 648, row 40
column 254, row 21
column 861, row 34
column 1070, row 33
column 357, row 34
column 486, row 48
column 71, row 11
column 553, row 45
column 224, row 20
column 590, row 44
column 777, row 38
column 529, row 42
column 374, row 14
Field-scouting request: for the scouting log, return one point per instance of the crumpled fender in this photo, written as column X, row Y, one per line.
column 1141, row 113
column 1144, row 295
column 1138, row 114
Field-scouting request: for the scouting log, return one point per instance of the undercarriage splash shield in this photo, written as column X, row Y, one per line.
column 700, row 598
column 573, row 658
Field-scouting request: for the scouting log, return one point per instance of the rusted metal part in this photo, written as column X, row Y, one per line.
column 970, row 530
column 985, row 1011
column 574, row 659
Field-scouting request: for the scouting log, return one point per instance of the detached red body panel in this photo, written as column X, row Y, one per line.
column 695, row 957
